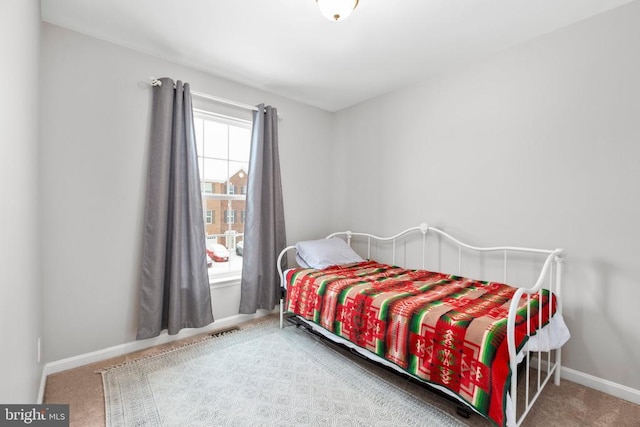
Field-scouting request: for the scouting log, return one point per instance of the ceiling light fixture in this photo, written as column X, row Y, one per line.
column 336, row 10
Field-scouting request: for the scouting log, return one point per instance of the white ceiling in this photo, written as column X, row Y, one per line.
column 286, row 47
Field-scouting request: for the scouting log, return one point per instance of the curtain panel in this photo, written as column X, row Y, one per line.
column 175, row 290
column 265, row 233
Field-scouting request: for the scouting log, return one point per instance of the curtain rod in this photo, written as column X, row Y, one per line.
column 156, row 82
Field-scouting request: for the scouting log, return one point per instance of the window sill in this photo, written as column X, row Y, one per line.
column 225, row 281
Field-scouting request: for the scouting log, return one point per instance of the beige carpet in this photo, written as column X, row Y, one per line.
column 566, row 405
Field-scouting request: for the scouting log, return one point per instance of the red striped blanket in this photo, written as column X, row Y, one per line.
column 442, row 329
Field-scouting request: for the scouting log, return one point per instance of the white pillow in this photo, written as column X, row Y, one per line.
column 301, row 262
column 326, row 252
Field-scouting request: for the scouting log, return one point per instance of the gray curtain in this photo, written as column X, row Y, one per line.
column 264, row 228
column 175, row 291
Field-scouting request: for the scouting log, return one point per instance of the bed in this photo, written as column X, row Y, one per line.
column 471, row 322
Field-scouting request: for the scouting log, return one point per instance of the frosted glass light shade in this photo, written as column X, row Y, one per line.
column 336, row 10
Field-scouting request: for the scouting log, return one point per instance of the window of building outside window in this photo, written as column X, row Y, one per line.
column 230, row 217
column 223, row 146
column 207, row 187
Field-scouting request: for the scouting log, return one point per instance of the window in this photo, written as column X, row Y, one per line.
column 230, row 217
column 223, row 145
column 207, row 187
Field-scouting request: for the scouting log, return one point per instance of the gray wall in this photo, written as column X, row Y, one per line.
column 535, row 146
column 20, row 291
column 95, row 137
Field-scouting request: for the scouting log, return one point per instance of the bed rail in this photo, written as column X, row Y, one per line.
column 549, row 277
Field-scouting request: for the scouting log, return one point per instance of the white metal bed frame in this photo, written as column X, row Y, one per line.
column 554, row 258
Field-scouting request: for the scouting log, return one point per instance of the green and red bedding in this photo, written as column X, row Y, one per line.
column 442, row 329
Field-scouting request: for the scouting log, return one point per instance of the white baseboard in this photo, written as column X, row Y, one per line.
column 600, row 384
column 119, row 350
column 596, row 383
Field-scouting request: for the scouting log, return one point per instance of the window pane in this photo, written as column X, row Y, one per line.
column 238, row 169
column 215, row 171
column 199, row 126
column 216, row 137
column 200, row 167
column 239, row 143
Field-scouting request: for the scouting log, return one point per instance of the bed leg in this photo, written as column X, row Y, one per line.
column 464, row 412
column 556, row 374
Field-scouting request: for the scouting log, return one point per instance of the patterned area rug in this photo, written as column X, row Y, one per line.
column 260, row 376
